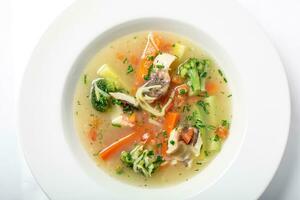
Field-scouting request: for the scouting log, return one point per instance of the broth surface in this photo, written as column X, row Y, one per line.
column 119, row 54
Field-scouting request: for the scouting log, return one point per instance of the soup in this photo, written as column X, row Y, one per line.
column 152, row 109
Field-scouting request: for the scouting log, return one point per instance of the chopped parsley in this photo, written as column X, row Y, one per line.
column 172, row 142
column 182, row 91
column 116, row 125
column 159, row 66
column 117, row 102
column 225, row 123
column 216, row 138
column 125, row 61
column 206, row 153
column 147, row 77
column 204, row 106
column 203, row 74
column 173, row 45
column 150, row 58
column 164, row 133
column 85, row 79
column 78, row 103
column 186, row 108
column 222, row 75
column 150, row 153
column 220, row 72
column 229, row 96
column 129, row 69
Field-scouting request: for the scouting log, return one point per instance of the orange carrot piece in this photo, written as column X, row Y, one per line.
column 222, row 132
column 177, row 80
column 171, row 120
column 132, row 118
column 93, row 134
column 120, row 56
column 114, row 147
column 187, row 135
column 211, row 88
column 134, row 60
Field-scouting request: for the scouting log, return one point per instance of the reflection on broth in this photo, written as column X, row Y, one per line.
column 152, row 109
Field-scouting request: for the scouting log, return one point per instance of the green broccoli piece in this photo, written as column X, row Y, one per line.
column 100, row 99
column 195, row 71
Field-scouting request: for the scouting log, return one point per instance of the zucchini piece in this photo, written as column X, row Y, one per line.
column 214, row 144
column 204, row 148
column 106, row 71
column 211, row 118
column 178, row 50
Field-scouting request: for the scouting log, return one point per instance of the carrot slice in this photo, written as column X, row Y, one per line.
column 171, row 120
column 222, row 132
column 116, row 146
column 134, row 60
column 211, row 88
column 170, row 123
column 132, row 118
column 120, row 56
column 177, row 80
column 187, row 135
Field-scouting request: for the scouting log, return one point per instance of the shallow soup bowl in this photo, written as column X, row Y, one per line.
column 52, row 147
column 231, row 147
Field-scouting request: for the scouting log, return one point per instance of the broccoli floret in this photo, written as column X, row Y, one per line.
column 100, row 99
column 195, row 71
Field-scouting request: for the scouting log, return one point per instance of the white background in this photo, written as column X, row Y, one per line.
column 30, row 18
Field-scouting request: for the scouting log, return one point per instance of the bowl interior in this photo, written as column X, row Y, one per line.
column 238, row 127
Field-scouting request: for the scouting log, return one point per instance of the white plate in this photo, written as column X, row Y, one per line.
column 261, row 105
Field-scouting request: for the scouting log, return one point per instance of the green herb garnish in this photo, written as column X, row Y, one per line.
column 116, row 125
column 182, row 91
column 160, row 66
column 129, row 69
column 150, row 58
column 225, row 123
column 206, row 153
column 150, row 70
column 204, row 106
column 85, row 79
column 216, row 138
column 125, row 60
